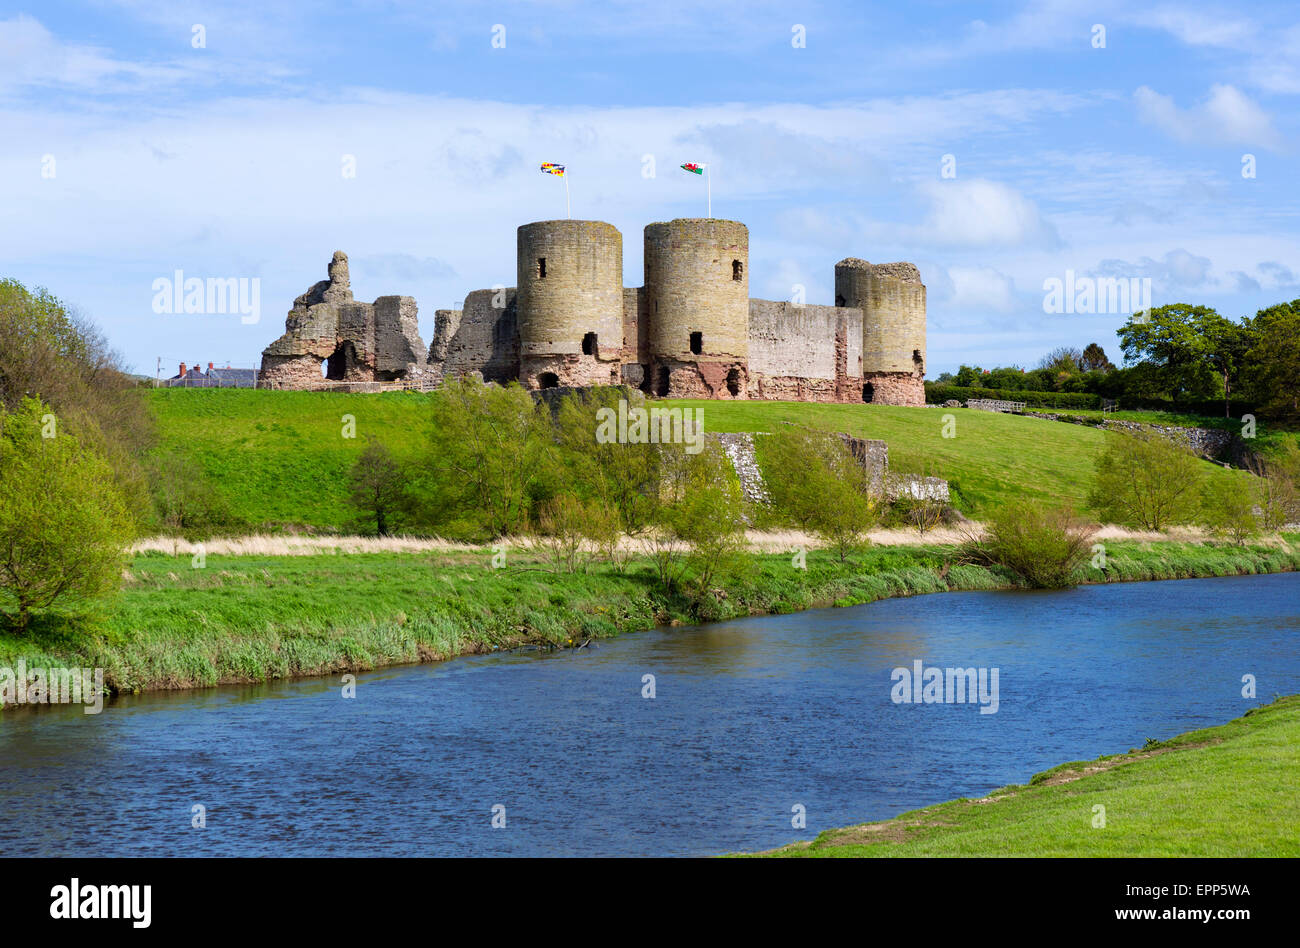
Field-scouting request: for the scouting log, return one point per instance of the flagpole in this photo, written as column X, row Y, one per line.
column 567, row 212
column 708, row 187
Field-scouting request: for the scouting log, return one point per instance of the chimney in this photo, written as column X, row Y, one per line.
column 209, row 366
column 182, row 370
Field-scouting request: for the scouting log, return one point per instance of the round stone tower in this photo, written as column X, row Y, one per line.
column 569, row 302
column 697, row 307
column 892, row 299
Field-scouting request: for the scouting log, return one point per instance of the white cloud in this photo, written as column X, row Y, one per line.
column 981, row 288
column 983, row 213
column 1177, row 269
column 1227, row 116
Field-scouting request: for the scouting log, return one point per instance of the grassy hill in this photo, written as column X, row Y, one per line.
column 280, row 458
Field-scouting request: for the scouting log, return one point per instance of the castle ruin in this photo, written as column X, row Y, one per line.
column 691, row 330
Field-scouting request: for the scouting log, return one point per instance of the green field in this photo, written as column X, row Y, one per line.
column 280, row 458
column 992, row 458
column 1221, row 791
column 254, row 618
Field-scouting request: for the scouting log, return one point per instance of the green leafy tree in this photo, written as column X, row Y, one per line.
column 1094, row 359
column 1146, row 480
column 708, row 515
column 490, row 451
column 50, row 352
column 816, row 483
column 621, row 475
column 1198, row 351
column 377, row 486
column 1273, row 358
column 1228, row 507
column 64, row 525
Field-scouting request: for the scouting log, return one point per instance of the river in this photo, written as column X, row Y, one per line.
column 750, row 720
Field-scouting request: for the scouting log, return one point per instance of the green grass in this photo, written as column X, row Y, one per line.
column 280, row 459
column 1222, row 791
column 992, row 458
column 248, row 618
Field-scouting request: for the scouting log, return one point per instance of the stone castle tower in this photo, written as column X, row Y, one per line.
column 691, row 330
column 892, row 299
column 570, row 297
column 697, row 307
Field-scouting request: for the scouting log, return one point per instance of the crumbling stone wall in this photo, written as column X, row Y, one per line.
column 354, row 342
column 804, row 353
column 485, row 338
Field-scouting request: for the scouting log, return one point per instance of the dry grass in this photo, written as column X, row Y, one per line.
column 758, row 541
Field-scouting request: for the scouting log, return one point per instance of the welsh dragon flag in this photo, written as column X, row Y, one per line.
column 693, row 167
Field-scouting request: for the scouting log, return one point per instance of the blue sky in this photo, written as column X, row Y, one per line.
column 226, row 161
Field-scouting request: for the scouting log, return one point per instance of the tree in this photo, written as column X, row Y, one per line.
column 815, row 482
column 708, row 515
column 377, row 485
column 1094, row 359
column 1273, row 358
column 1228, row 506
column 64, row 525
column 1197, row 350
column 1279, row 486
column 1062, row 359
column 490, row 449
column 621, row 475
column 1146, row 480
column 49, row 352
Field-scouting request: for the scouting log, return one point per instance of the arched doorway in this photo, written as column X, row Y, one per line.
column 341, row 363
column 548, row 380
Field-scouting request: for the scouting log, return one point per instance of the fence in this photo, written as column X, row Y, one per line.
column 993, row 404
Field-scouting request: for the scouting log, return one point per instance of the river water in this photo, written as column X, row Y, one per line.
column 750, row 720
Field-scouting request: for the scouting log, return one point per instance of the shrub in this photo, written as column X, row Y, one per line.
column 815, row 482
column 63, row 523
column 1146, row 480
column 1228, row 507
column 571, row 531
column 1044, row 546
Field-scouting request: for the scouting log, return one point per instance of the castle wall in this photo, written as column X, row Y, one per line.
column 804, row 353
column 486, row 340
column 396, row 332
column 636, row 326
column 697, row 281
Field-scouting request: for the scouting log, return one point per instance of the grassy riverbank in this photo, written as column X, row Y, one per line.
column 1222, row 791
column 253, row 618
